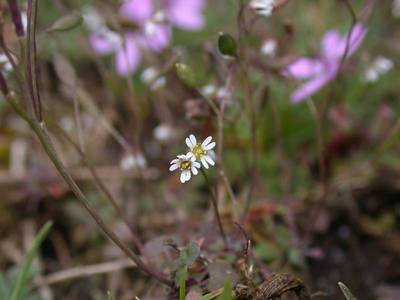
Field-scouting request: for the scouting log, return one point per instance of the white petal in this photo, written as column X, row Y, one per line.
column 174, row 161
column 196, row 164
column 188, row 175
column 189, row 143
column 174, row 167
column 193, row 139
column 183, row 176
column 194, row 170
column 209, row 160
column 212, row 154
column 210, row 146
column 206, row 141
column 190, row 156
column 181, row 156
column 203, row 161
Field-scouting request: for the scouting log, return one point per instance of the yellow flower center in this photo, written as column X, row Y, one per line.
column 184, row 165
column 198, row 151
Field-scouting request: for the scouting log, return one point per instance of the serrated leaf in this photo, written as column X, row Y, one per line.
column 190, row 253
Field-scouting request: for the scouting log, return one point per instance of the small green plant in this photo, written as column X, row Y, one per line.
column 14, row 284
column 182, row 284
column 187, row 257
column 227, row 292
column 8, row 281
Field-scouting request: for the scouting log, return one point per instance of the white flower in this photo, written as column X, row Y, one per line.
column 187, row 164
column 268, row 48
column 149, row 77
column 163, row 133
column 208, row 90
column 202, row 152
column 149, row 74
column 381, row 65
column 263, row 7
column 159, row 83
column 92, row 19
column 132, row 161
column 223, row 92
column 5, row 65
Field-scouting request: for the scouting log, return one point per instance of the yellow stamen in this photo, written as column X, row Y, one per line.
column 198, row 151
column 184, row 165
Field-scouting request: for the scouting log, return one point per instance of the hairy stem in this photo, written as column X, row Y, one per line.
column 41, row 132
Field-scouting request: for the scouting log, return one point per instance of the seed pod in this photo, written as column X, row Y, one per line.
column 66, row 22
column 227, row 45
column 185, row 74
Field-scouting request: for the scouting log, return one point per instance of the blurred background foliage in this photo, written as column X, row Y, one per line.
column 348, row 223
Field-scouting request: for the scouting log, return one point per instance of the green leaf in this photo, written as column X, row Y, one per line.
column 227, row 292
column 66, row 22
column 190, row 253
column 227, row 44
column 345, row 290
column 24, row 273
column 182, row 284
column 186, row 74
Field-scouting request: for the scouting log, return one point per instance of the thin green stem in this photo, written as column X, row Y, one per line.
column 23, row 274
column 215, row 207
column 210, row 102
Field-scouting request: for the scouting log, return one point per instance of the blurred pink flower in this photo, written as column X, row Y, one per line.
column 127, row 52
column 324, row 69
column 154, row 31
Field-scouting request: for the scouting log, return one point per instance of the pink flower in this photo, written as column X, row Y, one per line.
column 127, row 52
column 322, row 70
column 154, row 31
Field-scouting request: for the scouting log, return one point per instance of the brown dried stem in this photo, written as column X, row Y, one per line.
column 102, row 187
column 40, row 130
column 31, row 72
